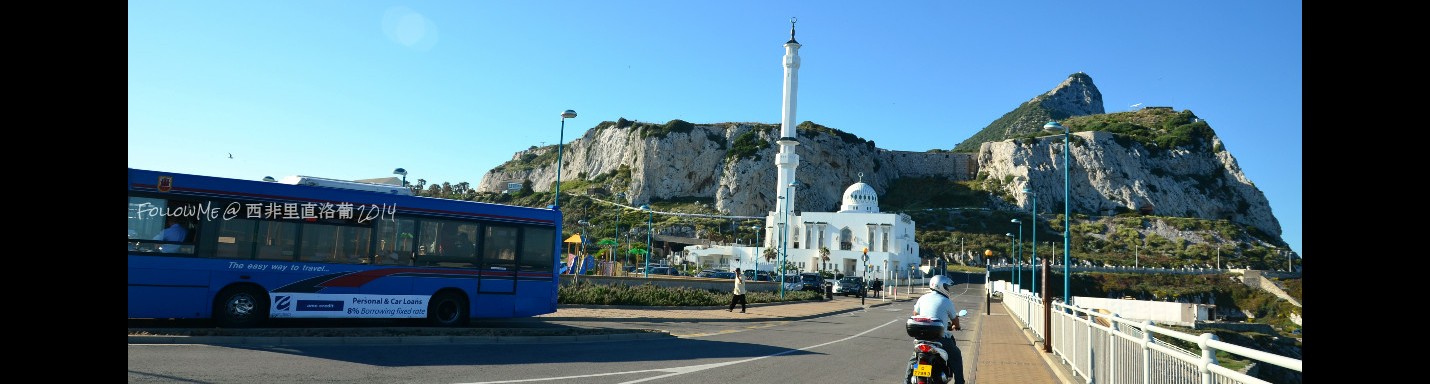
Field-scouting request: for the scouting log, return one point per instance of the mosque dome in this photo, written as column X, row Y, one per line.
column 861, row 198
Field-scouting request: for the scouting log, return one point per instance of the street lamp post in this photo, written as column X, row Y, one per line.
column 560, row 143
column 1019, row 282
column 582, row 254
column 616, row 233
column 784, row 239
column 650, row 217
column 402, row 172
column 1034, row 263
column 757, row 255
column 1067, row 204
column 1011, row 239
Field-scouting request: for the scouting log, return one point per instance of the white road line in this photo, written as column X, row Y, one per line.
column 676, row 371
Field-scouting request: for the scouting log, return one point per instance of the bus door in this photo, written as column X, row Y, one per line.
column 496, row 286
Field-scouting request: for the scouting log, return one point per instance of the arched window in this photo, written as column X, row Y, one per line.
column 846, row 239
column 795, row 238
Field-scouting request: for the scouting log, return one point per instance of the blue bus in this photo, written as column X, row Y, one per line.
column 241, row 252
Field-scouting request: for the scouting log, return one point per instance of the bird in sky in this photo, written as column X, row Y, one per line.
column 230, row 155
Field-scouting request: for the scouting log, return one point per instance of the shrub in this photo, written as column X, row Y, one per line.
column 651, row 295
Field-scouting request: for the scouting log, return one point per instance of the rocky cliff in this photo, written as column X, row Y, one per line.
column 1154, row 160
column 729, row 162
column 1141, row 165
column 1075, row 96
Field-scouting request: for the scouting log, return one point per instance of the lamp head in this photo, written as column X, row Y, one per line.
column 568, row 114
column 399, row 171
column 1027, row 189
column 645, row 207
column 583, row 222
column 1016, row 221
column 1008, row 234
column 269, row 178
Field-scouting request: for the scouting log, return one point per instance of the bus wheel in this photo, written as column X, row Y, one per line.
column 240, row 307
column 447, row 310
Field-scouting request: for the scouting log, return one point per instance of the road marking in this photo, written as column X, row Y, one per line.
column 728, row 331
column 676, row 371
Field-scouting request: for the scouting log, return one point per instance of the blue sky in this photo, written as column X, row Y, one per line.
column 450, row 89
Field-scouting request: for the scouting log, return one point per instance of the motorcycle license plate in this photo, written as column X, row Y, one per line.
column 924, row 370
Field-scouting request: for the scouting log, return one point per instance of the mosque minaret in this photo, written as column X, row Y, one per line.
column 787, row 160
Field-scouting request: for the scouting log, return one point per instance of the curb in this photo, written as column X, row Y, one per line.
column 650, row 334
column 387, row 340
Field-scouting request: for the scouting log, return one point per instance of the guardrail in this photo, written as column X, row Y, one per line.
column 1104, row 348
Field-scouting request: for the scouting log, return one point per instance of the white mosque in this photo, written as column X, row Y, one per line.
column 859, row 239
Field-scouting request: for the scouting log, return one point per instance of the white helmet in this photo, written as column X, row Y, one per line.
column 941, row 284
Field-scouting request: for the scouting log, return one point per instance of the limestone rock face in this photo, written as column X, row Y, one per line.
column 695, row 164
column 1075, row 96
column 1107, row 175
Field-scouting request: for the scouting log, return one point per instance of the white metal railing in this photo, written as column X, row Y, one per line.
column 1108, row 349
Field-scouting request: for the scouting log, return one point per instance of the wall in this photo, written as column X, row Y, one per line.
column 1160, row 312
column 723, row 285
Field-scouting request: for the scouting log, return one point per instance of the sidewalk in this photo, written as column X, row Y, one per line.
column 1007, row 353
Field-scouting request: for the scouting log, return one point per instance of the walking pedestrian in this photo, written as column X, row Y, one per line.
column 739, row 293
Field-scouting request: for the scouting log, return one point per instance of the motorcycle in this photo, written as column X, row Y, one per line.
column 929, row 365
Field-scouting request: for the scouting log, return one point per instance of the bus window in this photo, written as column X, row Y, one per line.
column 276, row 240
column 536, row 249
column 394, row 242
column 149, row 218
column 334, row 243
column 499, row 248
column 234, row 238
column 448, row 243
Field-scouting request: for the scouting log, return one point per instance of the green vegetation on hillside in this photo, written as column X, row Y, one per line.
column 931, row 192
column 1004, row 126
column 749, row 144
column 810, row 129
column 1157, row 129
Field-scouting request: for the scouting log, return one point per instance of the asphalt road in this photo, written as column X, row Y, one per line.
column 860, row 346
column 865, row 345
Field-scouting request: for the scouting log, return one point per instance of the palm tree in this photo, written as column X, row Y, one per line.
column 638, row 252
column 610, row 243
column 823, row 256
column 769, row 254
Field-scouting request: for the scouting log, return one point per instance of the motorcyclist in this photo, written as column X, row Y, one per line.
column 938, row 306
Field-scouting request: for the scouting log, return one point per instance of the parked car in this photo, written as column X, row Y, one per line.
column 666, row 271
column 751, row 275
column 716, row 274
column 792, row 283
column 811, row 282
column 850, row 286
